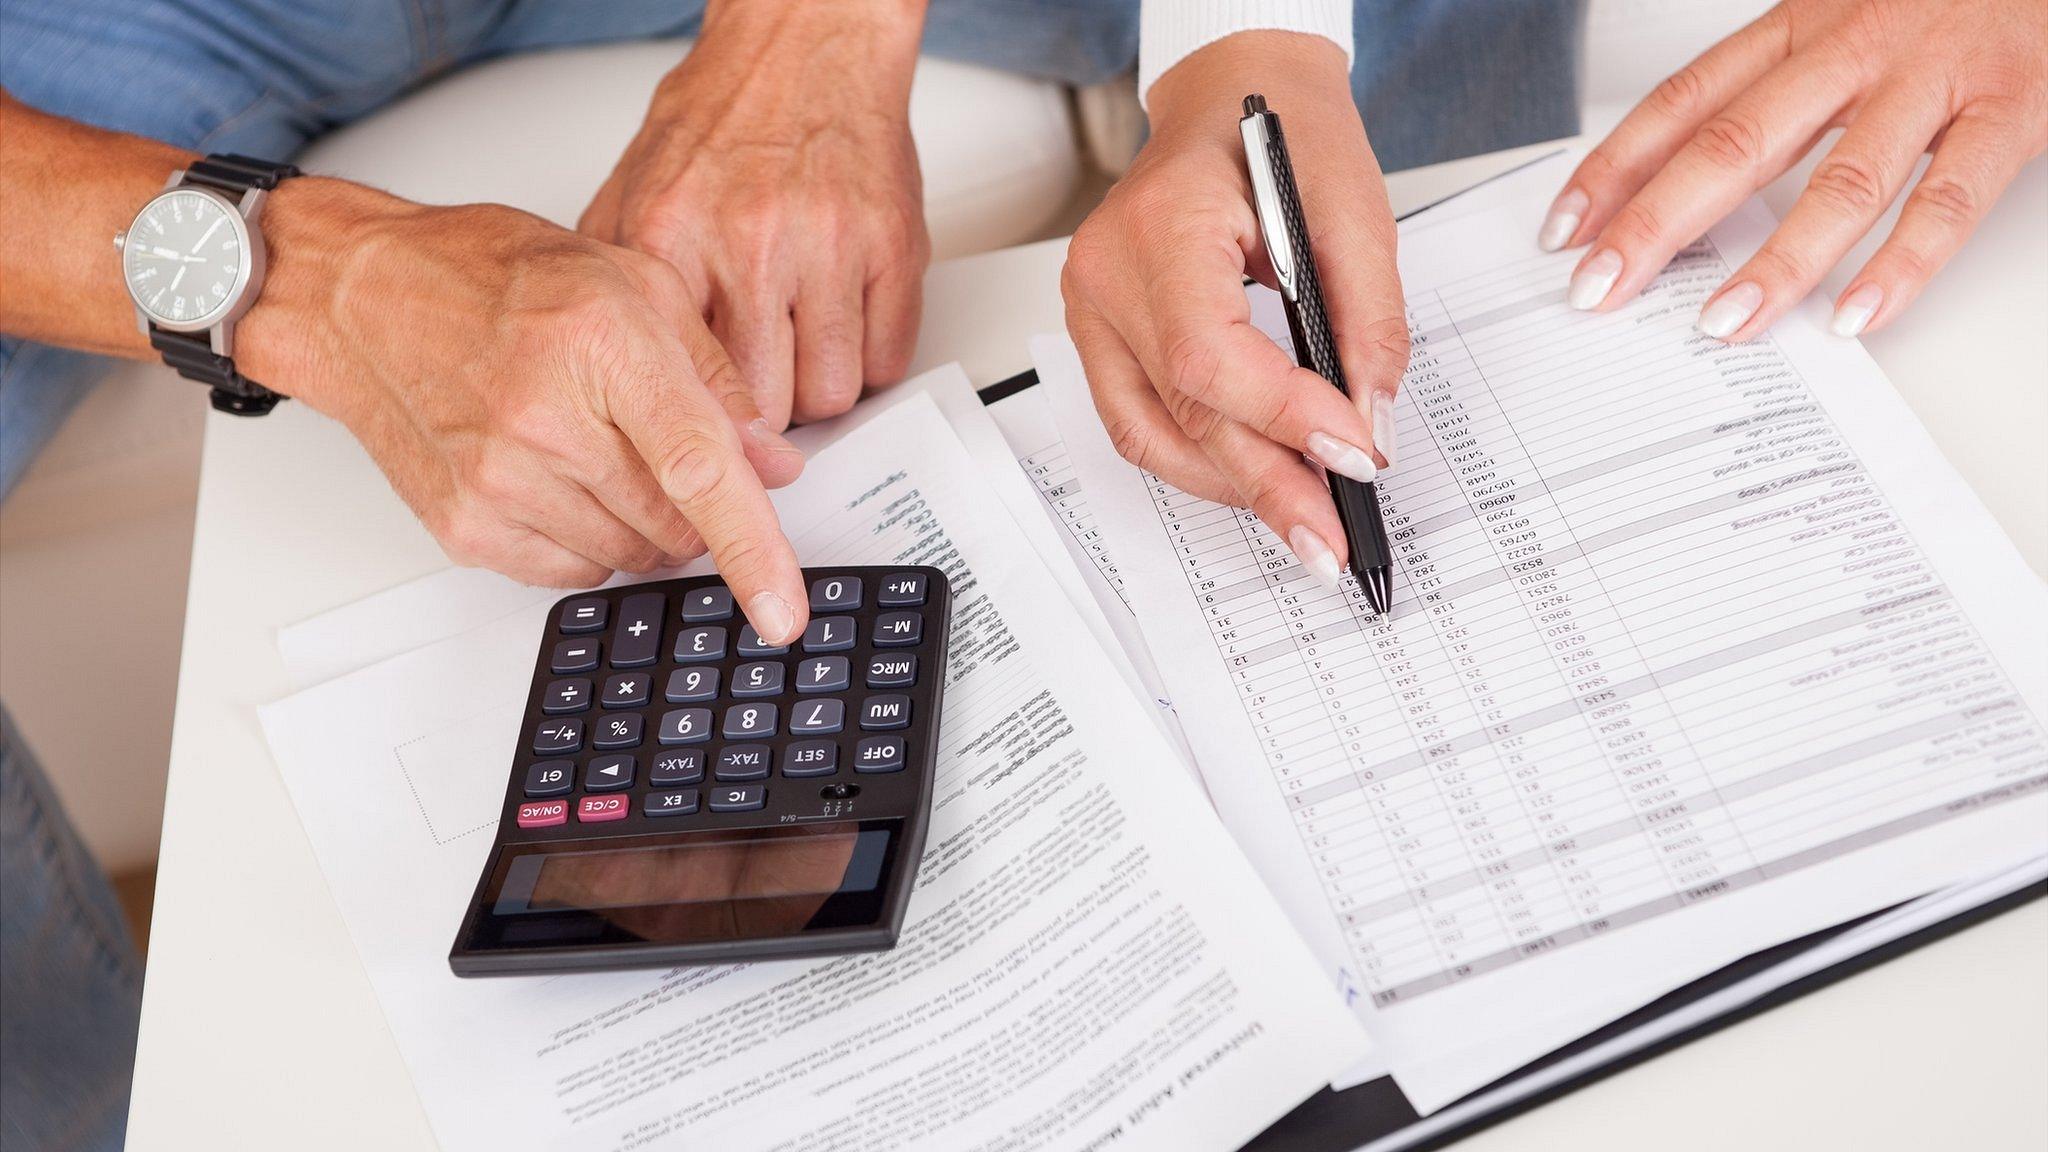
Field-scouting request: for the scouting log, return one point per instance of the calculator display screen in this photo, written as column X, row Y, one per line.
column 759, row 864
column 723, row 884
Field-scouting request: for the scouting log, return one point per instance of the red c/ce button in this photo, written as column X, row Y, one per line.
column 595, row 809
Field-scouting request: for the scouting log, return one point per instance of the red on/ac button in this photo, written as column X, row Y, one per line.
column 594, row 809
column 543, row 813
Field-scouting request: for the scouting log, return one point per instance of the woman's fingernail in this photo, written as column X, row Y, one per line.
column 1341, row 458
column 1853, row 312
column 1315, row 556
column 772, row 617
column 1383, row 427
column 1729, row 311
column 1594, row 280
column 1563, row 221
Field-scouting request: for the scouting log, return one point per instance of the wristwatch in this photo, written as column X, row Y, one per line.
column 193, row 263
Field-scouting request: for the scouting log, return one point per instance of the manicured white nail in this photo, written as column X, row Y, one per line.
column 1563, row 220
column 1315, row 556
column 1594, row 280
column 1729, row 311
column 1341, row 458
column 1853, row 313
column 1383, row 427
column 772, row 617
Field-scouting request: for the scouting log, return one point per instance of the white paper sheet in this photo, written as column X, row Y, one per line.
column 1695, row 649
column 1087, row 963
column 1025, row 418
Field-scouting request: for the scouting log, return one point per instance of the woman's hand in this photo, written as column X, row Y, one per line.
column 1967, row 78
column 1186, row 386
column 776, row 172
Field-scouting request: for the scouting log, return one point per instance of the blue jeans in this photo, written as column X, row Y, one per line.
column 70, row 981
column 1435, row 79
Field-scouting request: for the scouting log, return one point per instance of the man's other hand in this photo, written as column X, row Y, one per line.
column 549, row 405
column 776, row 172
column 1186, row 386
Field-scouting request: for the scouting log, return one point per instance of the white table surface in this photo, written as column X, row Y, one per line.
column 260, row 1029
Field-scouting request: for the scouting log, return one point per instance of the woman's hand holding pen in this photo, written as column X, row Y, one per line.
column 1186, row 386
column 1967, row 79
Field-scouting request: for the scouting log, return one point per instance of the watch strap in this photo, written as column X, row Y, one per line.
column 228, row 171
column 192, row 354
column 193, row 357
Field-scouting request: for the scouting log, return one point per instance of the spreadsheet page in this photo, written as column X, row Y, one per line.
column 1695, row 648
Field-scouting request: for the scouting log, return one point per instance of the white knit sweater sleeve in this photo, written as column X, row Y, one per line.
column 1170, row 30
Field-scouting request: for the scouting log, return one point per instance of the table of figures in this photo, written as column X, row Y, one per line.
column 1657, row 635
column 1052, row 472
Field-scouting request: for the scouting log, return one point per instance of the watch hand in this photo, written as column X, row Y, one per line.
column 193, row 259
column 208, row 234
column 174, row 280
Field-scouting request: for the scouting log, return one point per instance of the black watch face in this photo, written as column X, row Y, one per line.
column 186, row 259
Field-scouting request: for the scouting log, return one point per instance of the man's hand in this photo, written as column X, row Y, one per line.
column 551, row 406
column 1186, row 386
column 1968, row 78
column 775, row 171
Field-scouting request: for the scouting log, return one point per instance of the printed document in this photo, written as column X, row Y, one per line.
column 1087, row 962
column 1696, row 648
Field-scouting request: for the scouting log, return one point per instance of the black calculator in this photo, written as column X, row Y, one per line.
column 684, row 793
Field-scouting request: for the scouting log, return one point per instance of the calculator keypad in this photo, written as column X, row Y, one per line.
column 667, row 704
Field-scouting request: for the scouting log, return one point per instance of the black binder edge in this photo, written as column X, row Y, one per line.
column 1375, row 1111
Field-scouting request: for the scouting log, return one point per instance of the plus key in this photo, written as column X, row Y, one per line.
column 636, row 639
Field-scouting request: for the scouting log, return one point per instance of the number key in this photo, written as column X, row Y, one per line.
column 822, row 674
column 817, row 717
column 697, row 645
column 759, row 679
column 835, row 594
column 691, row 685
column 685, row 726
column 829, row 634
column 751, row 644
column 749, row 721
